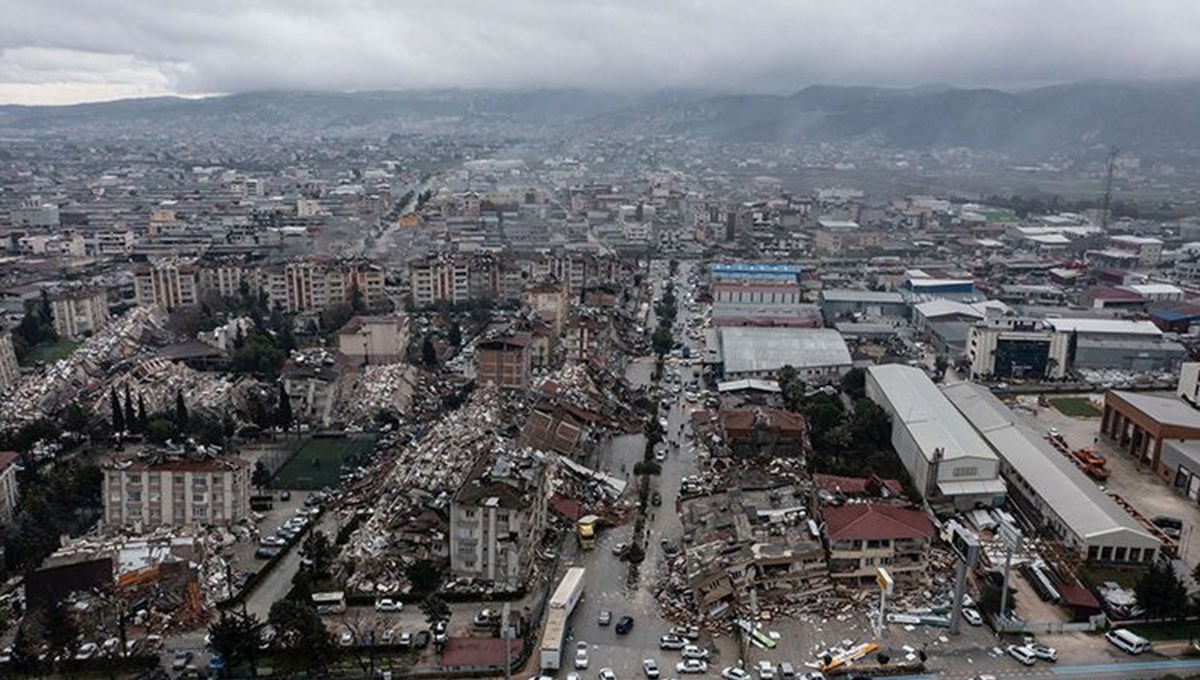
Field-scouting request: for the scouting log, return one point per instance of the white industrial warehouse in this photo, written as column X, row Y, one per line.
column 819, row 355
column 1048, row 489
column 947, row 459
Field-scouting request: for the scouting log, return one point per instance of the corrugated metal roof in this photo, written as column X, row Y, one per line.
column 1077, row 501
column 747, row 350
column 1109, row 326
column 849, row 295
column 929, row 417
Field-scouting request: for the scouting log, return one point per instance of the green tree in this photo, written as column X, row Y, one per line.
column 301, row 633
column 181, row 413
column 1161, row 593
column 127, row 411
column 118, row 417
column 661, row 340
column 428, row 353
column 74, row 419
column 60, row 630
column 425, row 577
column 791, row 388
column 871, row 427
column 235, row 637
column 143, row 422
column 283, row 409
column 260, row 478
column 160, row 429
column 316, row 554
column 435, row 609
column 854, row 383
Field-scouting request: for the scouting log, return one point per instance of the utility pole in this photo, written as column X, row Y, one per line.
column 1011, row 536
column 506, row 633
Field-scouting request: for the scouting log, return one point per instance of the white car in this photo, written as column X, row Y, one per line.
column 387, row 604
column 1044, row 652
column 607, row 674
column 671, row 642
column 86, row 651
column 650, row 668
column 972, row 616
column 581, row 655
column 691, row 666
column 766, row 670
column 1022, row 654
column 733, row 673
column 695, row 652
column 982, row 677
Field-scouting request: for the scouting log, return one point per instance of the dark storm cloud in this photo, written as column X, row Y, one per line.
column 64, row 49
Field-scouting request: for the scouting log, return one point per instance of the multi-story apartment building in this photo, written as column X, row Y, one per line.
column 504, row 362
column 437, row 279
column 8, row 485
column 497, row 518
column 317, row 284
column 865, row 536
column 374, row 339
column 79, row 312
column 176, row 491
column 10, row 373
column 169, row 283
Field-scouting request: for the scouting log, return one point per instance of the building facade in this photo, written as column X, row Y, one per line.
column 10, row 372
column 865, row 536
column 1017, row 348
column 504, row 362
column 375, row 339
column 176, row 492
column 79, row 313
column 497, row 518
column 8, row 485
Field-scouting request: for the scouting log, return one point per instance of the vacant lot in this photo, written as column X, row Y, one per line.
column 52, row 353
column 318, row 463
column 1076, row 407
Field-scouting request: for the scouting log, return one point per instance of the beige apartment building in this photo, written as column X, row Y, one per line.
column 79, row 313
column 176, row 491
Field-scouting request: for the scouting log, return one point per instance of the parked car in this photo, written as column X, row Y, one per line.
column 605, row 617
column 695, row 652
column 734, row 673
column 672, row 642
column 607, row 674
column 267, row 553
column 421, row 639
column 690, row 666
column 766, row 670
column 624, row 625
column 581, row 655
column 972, row 616
column 620, row 548
column 656, row 499
column 1128, row 641
column 87, row 650
column 181, row 660
column 1044, row 652
column 1171, row 526
column 406, row 640
column 1021, row 653
column 387, row 605
column 346, row 639
column 650, row 668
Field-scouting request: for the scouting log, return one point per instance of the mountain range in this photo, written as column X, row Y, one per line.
column 1155, row 119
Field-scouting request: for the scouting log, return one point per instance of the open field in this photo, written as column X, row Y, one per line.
column 318, row 463
column 1076, row 407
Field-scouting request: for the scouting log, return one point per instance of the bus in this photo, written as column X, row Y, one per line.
column 330, row 603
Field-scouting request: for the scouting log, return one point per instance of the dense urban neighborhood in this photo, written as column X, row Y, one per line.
column 447, row 404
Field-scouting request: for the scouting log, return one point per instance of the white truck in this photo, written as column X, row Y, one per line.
column 558, row 612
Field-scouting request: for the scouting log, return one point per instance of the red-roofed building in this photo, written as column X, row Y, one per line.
column 874, row 486
column 8, row 485
column 763, row 432
column 864, row 536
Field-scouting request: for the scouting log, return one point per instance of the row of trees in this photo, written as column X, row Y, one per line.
column 855, row 442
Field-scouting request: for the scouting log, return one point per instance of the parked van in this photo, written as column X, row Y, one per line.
column 1132, row 644
column 787, row 671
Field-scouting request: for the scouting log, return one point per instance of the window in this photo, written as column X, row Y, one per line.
column 1135, row 554
column 1120, row 555
column 1106, row 553
column 876, row 544
column 971, row 471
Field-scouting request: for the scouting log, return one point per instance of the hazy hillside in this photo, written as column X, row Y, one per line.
column 1147, row 118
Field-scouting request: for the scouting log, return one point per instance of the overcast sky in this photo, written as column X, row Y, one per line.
column 58, row 51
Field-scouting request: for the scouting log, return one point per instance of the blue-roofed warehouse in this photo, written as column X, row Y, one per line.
column 1176, row 319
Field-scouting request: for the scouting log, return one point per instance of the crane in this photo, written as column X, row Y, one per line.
column 1108, row 185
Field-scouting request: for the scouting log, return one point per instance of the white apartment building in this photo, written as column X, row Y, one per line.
column 176, row 491
column 10, row 373
column 78, row 313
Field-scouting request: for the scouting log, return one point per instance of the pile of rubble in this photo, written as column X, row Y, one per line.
column 158, row 380
column 389, row 387
column 424, row 477
column 69, row 379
